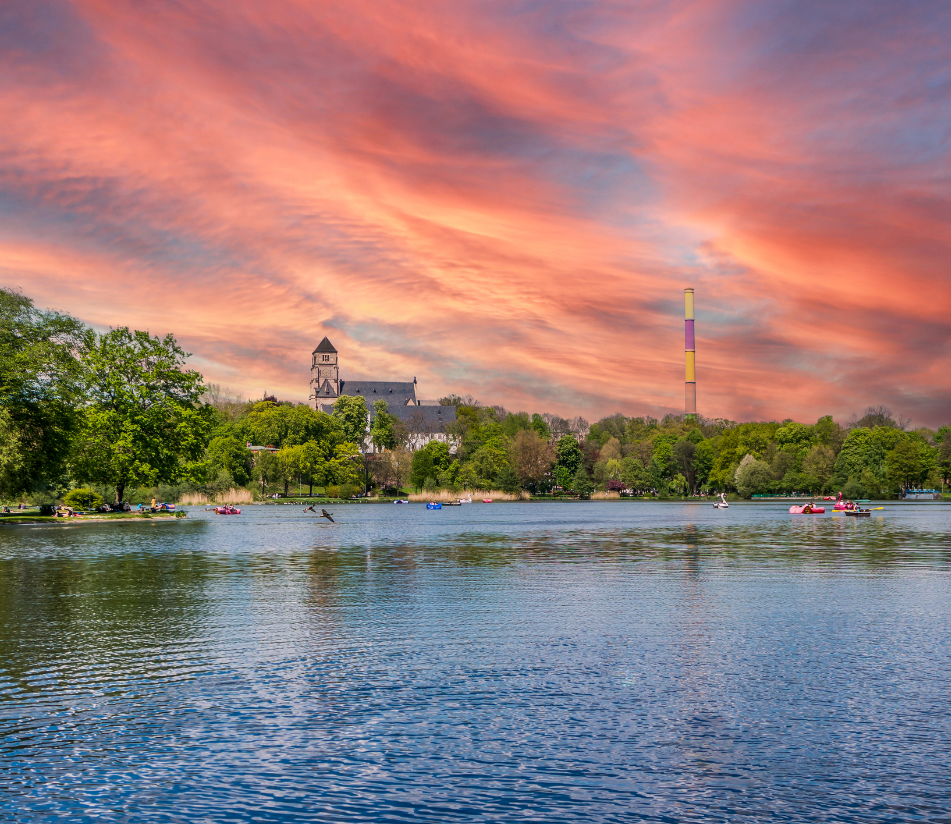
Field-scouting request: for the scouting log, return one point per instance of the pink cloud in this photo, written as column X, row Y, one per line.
column 500, row 201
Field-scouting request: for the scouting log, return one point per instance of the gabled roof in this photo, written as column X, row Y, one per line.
column 324, row 346
column 395, row 393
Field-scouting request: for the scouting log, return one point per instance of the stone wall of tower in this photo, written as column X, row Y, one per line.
column 324, row 369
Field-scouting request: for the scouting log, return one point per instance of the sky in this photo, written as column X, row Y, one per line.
column 502, row 199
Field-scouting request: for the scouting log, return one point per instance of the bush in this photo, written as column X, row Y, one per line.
column 83, row 499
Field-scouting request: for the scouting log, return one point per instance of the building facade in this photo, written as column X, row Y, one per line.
column 425, row 421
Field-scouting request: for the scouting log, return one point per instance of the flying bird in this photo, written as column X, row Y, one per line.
column 323, row 513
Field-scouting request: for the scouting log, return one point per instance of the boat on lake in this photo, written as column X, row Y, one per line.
column 806, row 509
column 227, row 510
column 433, row 505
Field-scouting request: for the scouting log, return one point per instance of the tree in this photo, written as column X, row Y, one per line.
column 382, row 434
column 582, row 483
column 910, row 462
column 568, row 457
column 703, row 460
column 353, row 414
column 344, row 466
column 819, row 463
column 752, row 475
column 392, row 468
column 280, row 425
column 41, row 385
column 540, row 427
column 267, row 469
column 141, row 425
column 291, row 462
column 428, row 462
column 229, row 453
column 682, row 455
column 530, row 456
column 507, row 480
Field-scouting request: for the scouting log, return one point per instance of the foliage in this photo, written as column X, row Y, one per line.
column 567, row 460
column 41, row 389
column 141, row 425
column 752, row 476
column 382, row 432
column 229, row 454
column 83, row 498
column 530, row 456
column 352, row 413
column 581, row 483
column 507, row 480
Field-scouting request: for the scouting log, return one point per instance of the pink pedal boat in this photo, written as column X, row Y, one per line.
column 807, row 509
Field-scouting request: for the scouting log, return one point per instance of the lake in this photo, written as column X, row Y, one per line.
column 545, row 662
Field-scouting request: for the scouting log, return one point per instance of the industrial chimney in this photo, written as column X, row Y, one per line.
column 690, row 355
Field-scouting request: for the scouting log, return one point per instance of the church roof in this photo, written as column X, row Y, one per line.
column 395, row 393
column 425, row 419
column 324, row 346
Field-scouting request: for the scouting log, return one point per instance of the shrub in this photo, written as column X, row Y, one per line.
column 83, row 498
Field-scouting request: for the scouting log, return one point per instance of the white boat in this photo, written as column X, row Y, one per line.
column 721, row 504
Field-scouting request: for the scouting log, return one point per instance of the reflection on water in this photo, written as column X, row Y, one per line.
column 562, row 662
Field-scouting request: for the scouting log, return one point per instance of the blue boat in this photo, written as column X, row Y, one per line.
column 432, row 505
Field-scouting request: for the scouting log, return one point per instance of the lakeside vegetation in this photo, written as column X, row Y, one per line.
column 118, row 416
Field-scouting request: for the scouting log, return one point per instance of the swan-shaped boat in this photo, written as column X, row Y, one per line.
column 227, row 510
column 721, row 504
column 807, row 509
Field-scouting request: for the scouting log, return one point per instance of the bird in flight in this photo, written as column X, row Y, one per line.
column 323, row 513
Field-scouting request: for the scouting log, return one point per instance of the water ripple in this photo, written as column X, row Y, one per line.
column 541, row 663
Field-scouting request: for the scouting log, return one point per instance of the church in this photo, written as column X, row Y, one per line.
column 425, row 421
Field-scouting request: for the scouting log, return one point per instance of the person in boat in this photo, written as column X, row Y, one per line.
column 807, row 508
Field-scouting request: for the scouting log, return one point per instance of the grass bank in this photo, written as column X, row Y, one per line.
column 35, row 518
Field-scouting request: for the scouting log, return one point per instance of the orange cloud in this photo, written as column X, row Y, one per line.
column 502, row 200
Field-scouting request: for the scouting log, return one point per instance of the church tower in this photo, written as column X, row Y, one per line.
column 324, row 375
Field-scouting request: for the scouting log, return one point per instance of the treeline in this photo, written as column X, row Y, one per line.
column 122, row 411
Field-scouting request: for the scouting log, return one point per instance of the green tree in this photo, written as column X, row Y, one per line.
column 141, row 425
column 540, row 427
column 753, row 476
column 291, row 462
column 507, row 480
column 581, row 483
column 280, row 425
column 429, row 461
column 703, row 460
column 229, row 453
column 819, row 463
column 910, row 462
column 568, row 457
column 267, row 469
column 682, row 456
column 353, row 414
column 83, row 498
column 382, row 433
column 41, row 386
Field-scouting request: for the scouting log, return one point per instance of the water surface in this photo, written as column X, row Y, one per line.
column 599, row 662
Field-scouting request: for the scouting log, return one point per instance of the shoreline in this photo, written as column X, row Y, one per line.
column 99, row 518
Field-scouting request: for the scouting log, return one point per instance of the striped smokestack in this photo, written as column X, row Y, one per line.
column 690, row 354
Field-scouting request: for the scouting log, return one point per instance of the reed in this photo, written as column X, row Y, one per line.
column 231, row 496
column 444, row 495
